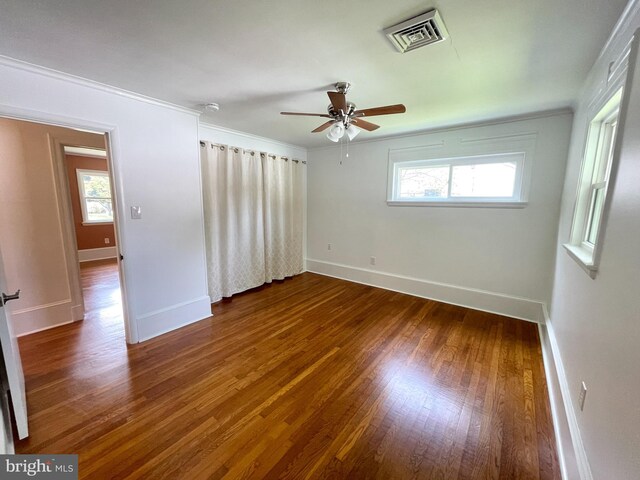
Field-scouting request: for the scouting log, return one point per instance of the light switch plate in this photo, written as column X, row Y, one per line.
column 136, row 213
column 582, row 396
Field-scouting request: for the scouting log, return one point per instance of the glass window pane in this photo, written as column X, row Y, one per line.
column 604, row 175
column 96, row 186
column 423, row 182
column 595, row 213
column 99, row 210
column 483, row 180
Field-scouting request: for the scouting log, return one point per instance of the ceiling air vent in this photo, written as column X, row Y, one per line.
column 417, row 32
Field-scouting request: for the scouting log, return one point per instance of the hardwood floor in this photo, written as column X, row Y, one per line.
column 313, row 377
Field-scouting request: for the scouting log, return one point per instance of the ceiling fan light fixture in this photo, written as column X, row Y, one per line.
column 352, row 131
column 336, row 132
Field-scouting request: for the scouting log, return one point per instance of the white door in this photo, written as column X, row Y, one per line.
column 11, row 357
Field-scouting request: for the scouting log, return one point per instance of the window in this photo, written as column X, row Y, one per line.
column 599, row 157
column 95, row 196
column 480, row 179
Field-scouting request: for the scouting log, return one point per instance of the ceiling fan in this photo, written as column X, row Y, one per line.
column 345, row 117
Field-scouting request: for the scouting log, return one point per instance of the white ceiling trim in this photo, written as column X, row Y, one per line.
column 85, row 82
column 628, row 14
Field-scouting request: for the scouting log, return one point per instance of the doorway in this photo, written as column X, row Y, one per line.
column 42, row 249
column 91, row 198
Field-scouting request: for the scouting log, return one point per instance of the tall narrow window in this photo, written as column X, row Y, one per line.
column 95, row 196
column 600, row 177
column 588, row 221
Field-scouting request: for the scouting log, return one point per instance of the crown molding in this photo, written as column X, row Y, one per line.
column 631, row 11
column 67, row 77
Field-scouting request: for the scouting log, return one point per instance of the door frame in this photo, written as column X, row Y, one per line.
column 111, row 136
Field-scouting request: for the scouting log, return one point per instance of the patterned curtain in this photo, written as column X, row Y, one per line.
column 282, row 180
column 253, row 218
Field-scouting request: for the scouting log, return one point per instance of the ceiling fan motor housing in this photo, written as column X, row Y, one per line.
column 351, row 108
column 343, row 87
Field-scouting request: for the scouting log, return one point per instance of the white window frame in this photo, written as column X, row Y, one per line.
column 83, row 197
column 518, row 199
column 599, row 165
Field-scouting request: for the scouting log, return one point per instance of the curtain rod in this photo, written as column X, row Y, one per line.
column 262, row 154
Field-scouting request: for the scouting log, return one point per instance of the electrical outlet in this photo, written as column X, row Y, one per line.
column 372, row 260
column 583, row 394
column 328, row 246
column 107, row 241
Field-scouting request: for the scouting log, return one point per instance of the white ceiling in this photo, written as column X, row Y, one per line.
column 257, row 58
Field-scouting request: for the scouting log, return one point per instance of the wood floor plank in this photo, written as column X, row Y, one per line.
column 312, row 377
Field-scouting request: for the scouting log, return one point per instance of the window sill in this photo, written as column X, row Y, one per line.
column 583, row 258
column 87, row 224
column 396, row 203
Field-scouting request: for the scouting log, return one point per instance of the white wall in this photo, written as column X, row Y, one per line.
column 596, row 322
column 495, row 259
column 32, row 236
column 155, row 162
column 225, row 136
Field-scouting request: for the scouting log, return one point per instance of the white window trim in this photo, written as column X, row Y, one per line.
column 81, row 192
column 460, row 204
column 468, row 151
column 587, row 255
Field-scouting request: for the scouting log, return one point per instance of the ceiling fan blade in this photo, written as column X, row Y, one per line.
column 338, row 100
column 324, row 126
column 386, row 110
column 360, row 123
column 323, row 115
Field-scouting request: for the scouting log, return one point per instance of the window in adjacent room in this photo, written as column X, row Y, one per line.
column 589, row 215
column 95, row 196
column 479, row 179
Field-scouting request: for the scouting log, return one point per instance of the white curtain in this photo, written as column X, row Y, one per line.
column 282, row 216
column 233, row 213
column 253, row 218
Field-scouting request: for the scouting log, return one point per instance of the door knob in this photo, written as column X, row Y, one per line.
column 6, row 298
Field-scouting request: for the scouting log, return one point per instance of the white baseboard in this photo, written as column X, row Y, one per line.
column 572, row 454
column 103, row 253
column 41, row 317
column 515, row 307
column 44, row 317
column 564, row 446
column 163, row 321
